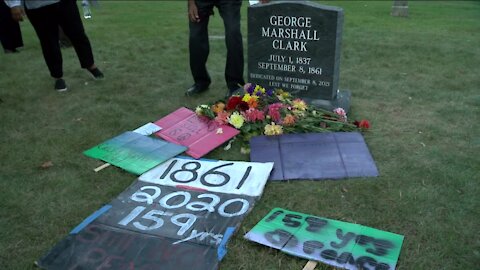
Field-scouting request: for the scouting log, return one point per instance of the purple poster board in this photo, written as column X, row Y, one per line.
column 314, row 156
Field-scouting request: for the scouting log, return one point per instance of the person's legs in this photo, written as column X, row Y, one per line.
column 10, row 33
column 44, row 21
column 199, row 45
column 230, row 12
column 71, row 23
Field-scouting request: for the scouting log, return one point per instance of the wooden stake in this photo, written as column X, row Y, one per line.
column 101, row 167
column 310, row 265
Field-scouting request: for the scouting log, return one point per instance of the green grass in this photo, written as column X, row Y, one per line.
column 416, row 79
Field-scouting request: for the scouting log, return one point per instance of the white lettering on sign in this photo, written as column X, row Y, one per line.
column 197, row 206
column 243, row 209
column 216, row 238
column 186, row 198
column 155, row 221
column 235, row 177
column 210, row 207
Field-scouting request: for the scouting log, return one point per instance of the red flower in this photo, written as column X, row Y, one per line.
column 242, row 106
column 362, row 124
column 232, row 103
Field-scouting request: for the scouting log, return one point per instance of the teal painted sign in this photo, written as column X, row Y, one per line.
column 134, row 152
column 337, row 243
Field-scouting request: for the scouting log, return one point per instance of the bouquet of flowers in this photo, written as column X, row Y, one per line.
column 260, row 111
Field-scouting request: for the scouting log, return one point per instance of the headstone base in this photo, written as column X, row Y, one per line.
column 342, row 100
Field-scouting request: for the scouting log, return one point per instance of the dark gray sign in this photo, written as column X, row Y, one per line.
column 295, row 45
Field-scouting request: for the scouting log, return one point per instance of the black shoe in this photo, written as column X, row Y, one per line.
column 60, row 85
column 195, row 90
column 96, row 73
column 235, row 92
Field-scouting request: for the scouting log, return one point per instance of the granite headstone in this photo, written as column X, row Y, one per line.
column 295, row 46
column 400, row 8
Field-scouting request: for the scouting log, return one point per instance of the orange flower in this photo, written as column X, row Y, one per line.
column 252, row 103
column 218, row 107
column 289, row 120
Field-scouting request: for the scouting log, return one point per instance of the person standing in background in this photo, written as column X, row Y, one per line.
column 46, row 16
column 10, row 33
column 199, row 12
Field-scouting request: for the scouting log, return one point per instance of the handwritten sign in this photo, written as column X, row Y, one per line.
column 134, row 152
column 337, row 243
column 179, row 214
column 100, row 247
column 169, row 226
column 233, row 177
column 199, row 134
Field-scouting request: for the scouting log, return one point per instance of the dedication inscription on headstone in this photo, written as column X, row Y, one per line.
column 295, row 46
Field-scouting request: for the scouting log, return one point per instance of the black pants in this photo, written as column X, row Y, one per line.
column 46, row 20
column 10, row 33
column 200, row 48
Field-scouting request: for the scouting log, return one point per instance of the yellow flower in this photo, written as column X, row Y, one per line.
column 299, row 104
column 236, row 120
column 273, row 129
column 247, row 97
column 257, row 89
column 282, row 95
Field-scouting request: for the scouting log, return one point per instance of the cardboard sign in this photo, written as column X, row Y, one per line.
column 163, row 227
column 134, row 152
column 179, row 214
column 199, row 134
column 337, row 243
column 233, row 177
column 315, row 156
column 101, row 247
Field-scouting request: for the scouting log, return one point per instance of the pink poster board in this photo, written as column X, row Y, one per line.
column 201, row 135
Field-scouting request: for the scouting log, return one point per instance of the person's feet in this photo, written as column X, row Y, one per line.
column 96, row 73
column 60, row 85
column 196, row 89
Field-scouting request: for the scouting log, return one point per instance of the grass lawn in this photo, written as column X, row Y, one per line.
column 416, row 79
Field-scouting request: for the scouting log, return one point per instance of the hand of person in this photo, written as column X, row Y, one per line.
column 17, row 13
column 193, row 11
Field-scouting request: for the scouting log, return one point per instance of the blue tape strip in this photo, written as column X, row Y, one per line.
column 222, row 248
column 91, row 218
